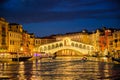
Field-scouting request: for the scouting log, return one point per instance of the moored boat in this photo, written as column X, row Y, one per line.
column 116, row 59
column 24, row 58
column 14, row 57
column 84, row 59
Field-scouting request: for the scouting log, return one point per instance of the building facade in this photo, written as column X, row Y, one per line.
column 116, row 40
column 31, row 43
column 83, row 37
column 14, row 37
column 3, row 35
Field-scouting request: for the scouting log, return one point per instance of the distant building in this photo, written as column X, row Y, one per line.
column 82, row 36
column 37, row 41
column 94, row 39
column 44, row 40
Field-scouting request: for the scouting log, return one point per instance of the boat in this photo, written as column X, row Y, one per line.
column 14, row 57
column 24, row 58
column 53, row 56
column 21, row 57
column 84, row 59
column 116, row 59
column 5, row 77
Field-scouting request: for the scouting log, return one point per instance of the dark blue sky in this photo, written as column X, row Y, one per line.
column 47, row 17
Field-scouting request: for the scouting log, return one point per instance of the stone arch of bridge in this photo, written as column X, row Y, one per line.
column 58, row 45
column 83, row 51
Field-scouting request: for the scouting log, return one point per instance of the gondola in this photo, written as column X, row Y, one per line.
column 116, row 59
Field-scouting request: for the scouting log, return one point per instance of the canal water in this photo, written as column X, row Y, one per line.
column 61, row 68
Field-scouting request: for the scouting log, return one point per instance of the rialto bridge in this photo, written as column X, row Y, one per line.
column 65, row 45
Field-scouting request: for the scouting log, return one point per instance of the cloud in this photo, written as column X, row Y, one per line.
column 27, row 11
column 60, row 16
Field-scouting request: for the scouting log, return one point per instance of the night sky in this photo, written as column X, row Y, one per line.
column 47, row 17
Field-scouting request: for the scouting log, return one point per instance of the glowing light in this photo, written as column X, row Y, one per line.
column 21, row 49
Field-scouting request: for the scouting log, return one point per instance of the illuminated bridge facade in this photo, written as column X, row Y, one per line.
column 66, row 46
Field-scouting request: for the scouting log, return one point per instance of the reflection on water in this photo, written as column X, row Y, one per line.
column 64, row 68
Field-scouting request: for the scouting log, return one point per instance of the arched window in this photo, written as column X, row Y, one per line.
column 88, row 47
column 49, row 47
column 80, row 45
column 84, row 47
column 92, row 48
column 57, row 45
column 76, row 45
column 45, row 48
column 41, row 49
column 52, row 46
column 72, row 44
column 61, row 44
